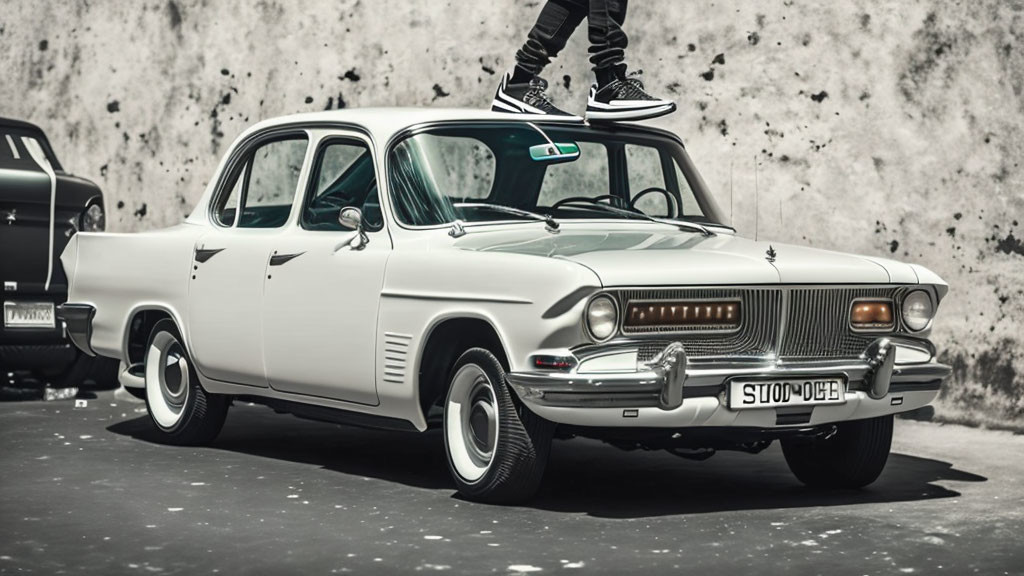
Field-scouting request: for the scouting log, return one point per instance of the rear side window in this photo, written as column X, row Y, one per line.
column 229, row 208
column 262, row 191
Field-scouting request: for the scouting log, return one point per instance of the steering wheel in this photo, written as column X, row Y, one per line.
column 613, row 200
column 656, row 189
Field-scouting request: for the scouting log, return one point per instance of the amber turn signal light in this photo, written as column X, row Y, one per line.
column 871, row 315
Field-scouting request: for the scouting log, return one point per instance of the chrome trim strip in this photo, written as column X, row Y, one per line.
column 453, row 297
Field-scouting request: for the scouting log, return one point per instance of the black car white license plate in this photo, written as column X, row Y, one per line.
column 744, row 394
column 28, row 315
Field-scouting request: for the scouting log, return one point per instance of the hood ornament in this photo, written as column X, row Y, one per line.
column 770, row 254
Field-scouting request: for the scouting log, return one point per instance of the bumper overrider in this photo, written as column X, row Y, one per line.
column 78, row 320
column 605, row 385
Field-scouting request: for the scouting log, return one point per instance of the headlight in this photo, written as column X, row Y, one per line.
column 602, row 318
column 917, row 310
column 93, row 219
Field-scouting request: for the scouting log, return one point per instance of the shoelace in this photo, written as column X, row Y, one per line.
column 632, row 87
column 537, row 93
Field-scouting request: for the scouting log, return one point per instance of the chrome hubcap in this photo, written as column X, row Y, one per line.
column 174, row 383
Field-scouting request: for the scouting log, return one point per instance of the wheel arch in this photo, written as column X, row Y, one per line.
column 445, row 339
column 139, row 323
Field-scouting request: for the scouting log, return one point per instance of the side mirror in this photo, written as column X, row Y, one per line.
column 351, row 218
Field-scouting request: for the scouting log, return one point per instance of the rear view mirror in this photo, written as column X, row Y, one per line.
column 555, row 153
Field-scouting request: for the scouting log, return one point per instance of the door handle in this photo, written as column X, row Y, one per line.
column 279, row 259
column 204, row 254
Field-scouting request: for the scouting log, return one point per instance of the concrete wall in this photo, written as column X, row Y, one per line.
column 889, row 128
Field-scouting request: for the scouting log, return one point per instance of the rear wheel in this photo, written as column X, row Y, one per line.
column 852, row 458
column 184, row 413
column 497, row 449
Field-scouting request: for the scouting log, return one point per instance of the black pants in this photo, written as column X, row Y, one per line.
column 559, row 19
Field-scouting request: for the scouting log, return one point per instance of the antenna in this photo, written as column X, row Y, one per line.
column 731, row 223
column 755, row 199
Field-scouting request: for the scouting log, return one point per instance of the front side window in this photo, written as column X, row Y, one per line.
column 501, row 172
column 343, row 176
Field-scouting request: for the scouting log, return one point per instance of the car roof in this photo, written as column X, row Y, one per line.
column 12, row 123
column 383, row 123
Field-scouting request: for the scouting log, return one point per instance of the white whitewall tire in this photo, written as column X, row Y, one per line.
column 497, row 449
column 180, row 409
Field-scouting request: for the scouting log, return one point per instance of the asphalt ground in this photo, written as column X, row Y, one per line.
column 86, row 490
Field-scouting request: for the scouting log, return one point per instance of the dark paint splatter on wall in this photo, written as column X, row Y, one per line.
column 1011, row 245
column 566, row 81
column 439, row 92
column 352, row 75
column 113, row 106
column 141, row 212
column 894, row 246
column 820, row 96
column 174, row 13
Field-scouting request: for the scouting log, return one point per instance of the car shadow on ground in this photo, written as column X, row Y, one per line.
column 583, row 476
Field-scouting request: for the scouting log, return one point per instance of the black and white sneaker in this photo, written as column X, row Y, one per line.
column 625, row 99
column 527, row 98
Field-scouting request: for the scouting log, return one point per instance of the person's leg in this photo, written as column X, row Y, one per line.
column 522, row 90
column 616, row 96
column 557, row 21
column 608, row 40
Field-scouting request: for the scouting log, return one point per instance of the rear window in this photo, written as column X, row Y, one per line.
column 14, row 154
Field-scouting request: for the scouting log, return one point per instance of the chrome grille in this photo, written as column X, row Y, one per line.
column 755, row 337
column 816, row 322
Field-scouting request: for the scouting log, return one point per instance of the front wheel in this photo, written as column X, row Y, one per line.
column 851, row 458
column 182, row 411
column 497, row 449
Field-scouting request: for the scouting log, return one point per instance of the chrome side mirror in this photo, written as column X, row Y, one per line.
column 351, row 218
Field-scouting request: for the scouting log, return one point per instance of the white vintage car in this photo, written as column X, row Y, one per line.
column 510, row 281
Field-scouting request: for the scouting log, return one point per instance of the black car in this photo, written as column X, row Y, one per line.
column 41, row 207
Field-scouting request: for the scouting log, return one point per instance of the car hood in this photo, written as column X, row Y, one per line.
column 653, row 258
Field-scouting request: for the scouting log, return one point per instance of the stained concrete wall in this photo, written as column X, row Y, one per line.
column 889, row 128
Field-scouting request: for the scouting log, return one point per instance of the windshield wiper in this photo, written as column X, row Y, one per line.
column 550, row 223
column 682, row 225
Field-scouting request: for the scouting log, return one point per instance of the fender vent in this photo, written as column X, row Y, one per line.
column 396, row 350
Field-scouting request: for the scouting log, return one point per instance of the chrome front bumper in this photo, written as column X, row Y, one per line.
column 667, row 380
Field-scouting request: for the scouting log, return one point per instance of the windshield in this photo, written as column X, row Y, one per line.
column 484, row 172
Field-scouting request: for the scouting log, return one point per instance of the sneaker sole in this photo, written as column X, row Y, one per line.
column 505, row 108
column 630, row 114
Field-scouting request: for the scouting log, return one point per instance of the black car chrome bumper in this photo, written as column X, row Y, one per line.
column 667, row 379
column 77, row 319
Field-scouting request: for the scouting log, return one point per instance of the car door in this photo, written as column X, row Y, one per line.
column 231, row 261
column 322, row 290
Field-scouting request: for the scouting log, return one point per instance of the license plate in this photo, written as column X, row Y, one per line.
column 798, row 392
column 28, row 315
